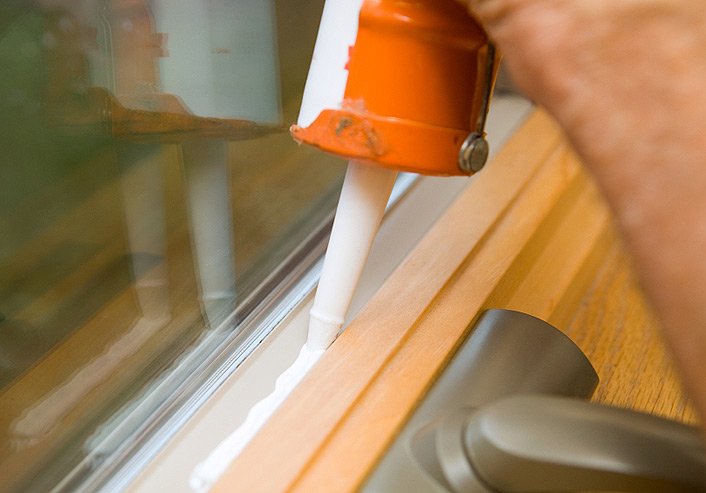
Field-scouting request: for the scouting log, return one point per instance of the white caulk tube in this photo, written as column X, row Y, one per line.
column 366, row 188
column 364, row 196
column 328, row 76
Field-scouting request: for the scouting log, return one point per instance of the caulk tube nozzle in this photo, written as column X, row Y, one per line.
column 366, row 190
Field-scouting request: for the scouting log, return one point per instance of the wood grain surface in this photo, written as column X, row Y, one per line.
column 530, row 233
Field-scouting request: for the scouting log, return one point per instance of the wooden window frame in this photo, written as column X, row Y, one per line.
column 531, row 233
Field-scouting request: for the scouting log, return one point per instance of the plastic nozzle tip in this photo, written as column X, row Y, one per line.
column 323, row 330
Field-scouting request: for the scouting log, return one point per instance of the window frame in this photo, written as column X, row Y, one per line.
column 245, row 382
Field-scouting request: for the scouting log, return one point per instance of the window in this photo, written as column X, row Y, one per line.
column 151, row 200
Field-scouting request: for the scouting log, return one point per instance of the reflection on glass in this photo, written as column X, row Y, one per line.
column 145, row 180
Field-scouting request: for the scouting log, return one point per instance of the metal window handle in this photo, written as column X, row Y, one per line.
column 504, row 418
column 545, row 443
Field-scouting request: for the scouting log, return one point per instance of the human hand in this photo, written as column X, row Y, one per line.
column 571, row 55
column 625, row 80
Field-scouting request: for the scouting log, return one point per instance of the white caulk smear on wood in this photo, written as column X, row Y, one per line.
column 211, row 469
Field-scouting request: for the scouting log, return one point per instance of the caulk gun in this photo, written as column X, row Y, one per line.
column 394, row 85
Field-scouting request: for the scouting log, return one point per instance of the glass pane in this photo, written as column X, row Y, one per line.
column 148, row 187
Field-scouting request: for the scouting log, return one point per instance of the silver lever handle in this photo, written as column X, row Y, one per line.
column 543, row 443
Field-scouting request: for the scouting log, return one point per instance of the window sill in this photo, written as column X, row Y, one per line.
column 532, row 234
column 403, row 227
